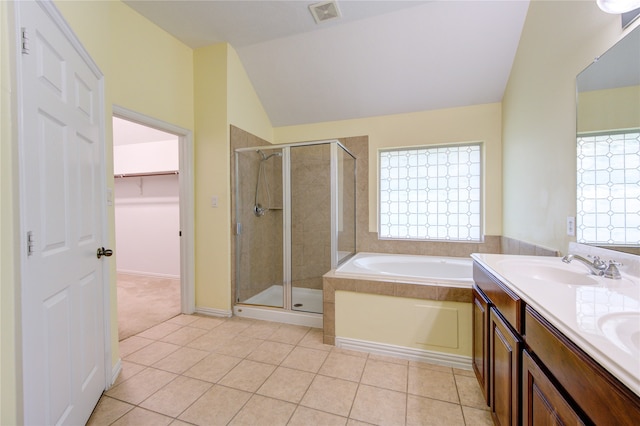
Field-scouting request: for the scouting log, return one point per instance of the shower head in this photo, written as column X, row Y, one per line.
column 266, row 157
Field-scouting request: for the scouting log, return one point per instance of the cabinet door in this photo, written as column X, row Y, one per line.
column 480, row 359
column 504, row 371
column 542, row 402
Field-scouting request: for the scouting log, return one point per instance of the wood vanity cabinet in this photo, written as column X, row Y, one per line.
column 480, row 360
column 534, row 375
column 542, row 402
column 497, row 316
column 595, row 394
column 504, row 371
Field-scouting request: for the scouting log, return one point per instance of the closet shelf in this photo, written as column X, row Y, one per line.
column 126, row 175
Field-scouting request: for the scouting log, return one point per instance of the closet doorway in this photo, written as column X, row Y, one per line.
column 147, row 208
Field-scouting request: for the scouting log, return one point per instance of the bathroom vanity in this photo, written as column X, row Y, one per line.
column 553, row 344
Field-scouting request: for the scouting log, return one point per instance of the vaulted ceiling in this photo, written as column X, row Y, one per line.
column 378, row 58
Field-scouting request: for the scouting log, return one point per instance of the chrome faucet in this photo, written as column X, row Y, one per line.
column 597, row 267
column 612, row 270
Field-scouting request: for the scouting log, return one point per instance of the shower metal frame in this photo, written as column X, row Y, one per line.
column 286, row 182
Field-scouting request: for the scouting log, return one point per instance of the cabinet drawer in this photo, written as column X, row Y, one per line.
column 505, row 300
column 597, row 393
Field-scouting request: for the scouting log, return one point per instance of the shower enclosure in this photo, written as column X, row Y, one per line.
column 295, row 220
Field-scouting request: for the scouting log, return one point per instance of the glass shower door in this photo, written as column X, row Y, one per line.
column 346, row 205
column 259, row 227
column 310, row 184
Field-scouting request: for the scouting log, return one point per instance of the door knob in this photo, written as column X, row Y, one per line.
column 104, row 252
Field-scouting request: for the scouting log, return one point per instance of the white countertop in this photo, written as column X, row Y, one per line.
column 580, row 312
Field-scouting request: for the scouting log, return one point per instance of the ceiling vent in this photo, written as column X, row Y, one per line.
column 324, row 11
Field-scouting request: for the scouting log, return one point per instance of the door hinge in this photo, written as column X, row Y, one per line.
column 30, row 243
column 25, row 41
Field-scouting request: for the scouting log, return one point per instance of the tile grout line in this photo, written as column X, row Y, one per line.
column 298, row 344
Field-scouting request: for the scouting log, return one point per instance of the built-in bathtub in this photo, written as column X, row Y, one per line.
column 452, row 271
column 414, row 307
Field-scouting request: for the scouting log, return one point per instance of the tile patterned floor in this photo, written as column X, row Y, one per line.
column 214, row 371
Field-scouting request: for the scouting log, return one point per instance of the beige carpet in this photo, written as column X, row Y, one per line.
column 145, row 301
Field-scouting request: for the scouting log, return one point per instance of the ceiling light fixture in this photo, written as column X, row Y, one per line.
column 618, row 6
column 324, row 11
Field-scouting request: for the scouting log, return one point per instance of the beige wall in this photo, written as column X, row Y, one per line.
column 559, row 40
column 223, row 97
column 439, row 326
column 611, row 109
column 466, row 124
column 158, row 84
column 9, row 333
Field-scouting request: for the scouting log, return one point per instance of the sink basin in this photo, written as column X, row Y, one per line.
column 548, row 271
column 623, row 330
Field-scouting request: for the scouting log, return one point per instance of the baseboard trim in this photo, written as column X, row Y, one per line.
column 148, row 274
column 213, row 312
column 412, row 354
column 115, row 372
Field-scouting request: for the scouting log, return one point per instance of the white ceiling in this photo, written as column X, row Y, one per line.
column 380, row 58
column 127, row 132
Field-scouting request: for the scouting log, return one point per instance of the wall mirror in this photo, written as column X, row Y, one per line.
column 608, row 148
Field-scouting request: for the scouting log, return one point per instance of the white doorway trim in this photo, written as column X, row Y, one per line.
column 185, row 176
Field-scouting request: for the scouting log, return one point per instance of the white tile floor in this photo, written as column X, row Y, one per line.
column 237, row 371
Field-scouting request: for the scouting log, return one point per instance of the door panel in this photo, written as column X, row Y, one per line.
column 504, row 371
column 61, row 176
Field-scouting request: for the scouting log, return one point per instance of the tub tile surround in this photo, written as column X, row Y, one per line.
column 332, row 283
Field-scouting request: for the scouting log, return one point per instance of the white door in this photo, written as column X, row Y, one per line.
column 61, row 160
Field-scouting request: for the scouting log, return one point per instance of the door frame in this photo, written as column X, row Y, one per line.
column 186, row 205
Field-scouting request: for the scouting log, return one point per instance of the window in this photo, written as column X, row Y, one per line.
column 431, row 193
column 608, row 189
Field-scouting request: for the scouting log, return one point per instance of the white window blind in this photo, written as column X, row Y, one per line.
column 431, row 193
